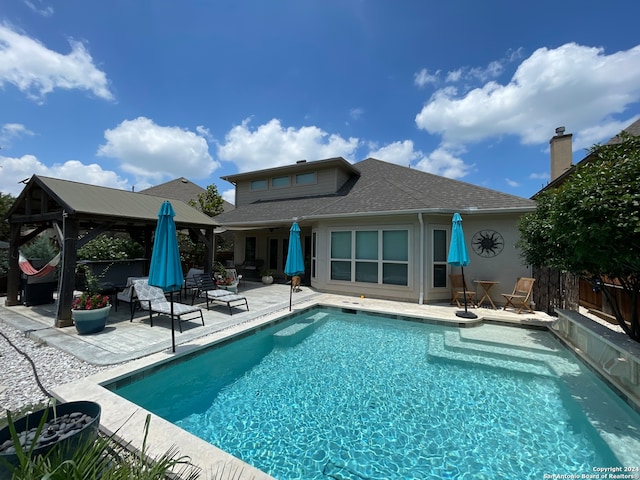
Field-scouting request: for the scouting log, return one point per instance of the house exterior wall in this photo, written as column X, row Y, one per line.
column 505, row 268
column 328, row 181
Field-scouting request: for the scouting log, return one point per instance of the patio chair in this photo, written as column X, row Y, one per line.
column 154, row 300
column 458, row 289
column 520, row 298
column 190, row 281
column 208, row 290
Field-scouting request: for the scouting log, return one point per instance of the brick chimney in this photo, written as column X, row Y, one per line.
column 561, row 153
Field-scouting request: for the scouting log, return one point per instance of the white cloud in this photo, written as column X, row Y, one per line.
column 572, row 85
column 356, row 113
column 439, row 162
column 272, row 145
column 444, row 162
column 154, row 153
column 37, row 6
column 423, row 77
column 10, row 131
column 229, row 196
column 37, row 71
column 512, row 183
column 13, row 170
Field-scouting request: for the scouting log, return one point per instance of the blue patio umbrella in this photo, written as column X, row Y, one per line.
column 295, row 263
column 166, row 270
column 459, row 257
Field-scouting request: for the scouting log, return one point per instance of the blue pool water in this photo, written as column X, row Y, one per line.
column 330, row 394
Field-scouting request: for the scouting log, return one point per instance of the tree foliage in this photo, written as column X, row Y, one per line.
column 209, row 202
column 6, row 201
column 110, row 247
column 590, row 225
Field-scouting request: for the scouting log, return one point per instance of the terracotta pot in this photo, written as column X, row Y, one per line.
column 90, row 321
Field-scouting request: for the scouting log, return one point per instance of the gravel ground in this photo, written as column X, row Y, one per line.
column 18, row 383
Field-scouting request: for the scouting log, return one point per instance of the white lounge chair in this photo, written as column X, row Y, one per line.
column 208, row 290
column 154, row 300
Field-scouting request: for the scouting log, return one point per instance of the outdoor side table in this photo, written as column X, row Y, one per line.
column 486, row 285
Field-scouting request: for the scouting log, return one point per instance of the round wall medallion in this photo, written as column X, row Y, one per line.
column 487, row 243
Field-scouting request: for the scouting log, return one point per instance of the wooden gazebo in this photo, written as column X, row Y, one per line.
column 77, row 213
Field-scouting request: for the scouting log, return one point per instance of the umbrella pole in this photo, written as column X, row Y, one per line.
column 465, row 314
column 290, row 294
column 173, row 332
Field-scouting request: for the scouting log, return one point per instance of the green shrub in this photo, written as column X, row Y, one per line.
column 110, row 247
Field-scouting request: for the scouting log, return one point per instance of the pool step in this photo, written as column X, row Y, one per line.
column 295, row 333
column 451, row 347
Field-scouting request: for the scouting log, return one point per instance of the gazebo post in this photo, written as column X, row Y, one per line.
column 13, row 274
column 68, row 277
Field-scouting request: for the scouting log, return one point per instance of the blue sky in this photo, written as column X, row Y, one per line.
column 131, row 94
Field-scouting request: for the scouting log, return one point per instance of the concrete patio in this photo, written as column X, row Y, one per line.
column 123, row 340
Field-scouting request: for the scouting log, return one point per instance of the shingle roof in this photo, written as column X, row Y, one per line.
column 381, row 188
column 121, row 206
column 181, row 189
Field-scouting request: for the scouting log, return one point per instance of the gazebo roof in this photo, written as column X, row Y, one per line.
column 45, row 199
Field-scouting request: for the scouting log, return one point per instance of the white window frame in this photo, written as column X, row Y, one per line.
column 380, row 261
column 432, row 261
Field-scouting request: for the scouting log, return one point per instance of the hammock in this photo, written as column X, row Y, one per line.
column 28, row 269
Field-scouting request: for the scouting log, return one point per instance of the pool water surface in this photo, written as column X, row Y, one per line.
column 333, row 394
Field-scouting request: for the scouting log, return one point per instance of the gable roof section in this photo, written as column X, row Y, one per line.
column 46, row 196
column 302, row 165
column 181, row 189
column 381, row 188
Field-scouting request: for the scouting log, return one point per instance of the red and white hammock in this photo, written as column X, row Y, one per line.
column 28, row 269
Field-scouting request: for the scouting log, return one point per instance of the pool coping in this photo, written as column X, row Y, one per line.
column 125, row 420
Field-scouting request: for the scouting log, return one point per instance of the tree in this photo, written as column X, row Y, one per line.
column 590, row 225
column 209, row 202
column 6, row 201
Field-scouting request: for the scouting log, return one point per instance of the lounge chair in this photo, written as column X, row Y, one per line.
column 189, row 280
column 208, row 290
column 154, row 300
column 520, row 298
column 458, row 289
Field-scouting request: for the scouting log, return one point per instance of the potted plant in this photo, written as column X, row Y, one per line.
column 267, row 277
column 91, row 309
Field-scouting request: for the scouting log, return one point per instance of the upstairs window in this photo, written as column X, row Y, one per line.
column 258, row 185
column 306, row 178
column 279, row 182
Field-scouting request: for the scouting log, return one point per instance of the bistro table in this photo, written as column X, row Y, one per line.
column 486, row 285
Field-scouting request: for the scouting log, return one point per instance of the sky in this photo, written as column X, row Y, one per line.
column 132, row 94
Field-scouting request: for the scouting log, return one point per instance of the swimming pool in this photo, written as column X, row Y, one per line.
column 345, row 394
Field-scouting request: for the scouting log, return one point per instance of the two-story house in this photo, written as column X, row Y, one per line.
column 375, row 228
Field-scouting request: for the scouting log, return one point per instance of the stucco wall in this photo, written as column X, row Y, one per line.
column 504, row 268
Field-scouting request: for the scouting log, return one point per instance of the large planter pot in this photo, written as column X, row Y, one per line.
column 66, row 428
column 90, row 321
column 267, row 279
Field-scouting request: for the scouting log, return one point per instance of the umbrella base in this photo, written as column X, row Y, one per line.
column 466, row 315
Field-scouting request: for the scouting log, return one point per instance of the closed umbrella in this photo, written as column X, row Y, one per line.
column 166, row 270
column 459, row 257
column 295, row 263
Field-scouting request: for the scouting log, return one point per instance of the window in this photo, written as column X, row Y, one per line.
column 439, row 258
column 258, row 184
column 278, row 182
column 371, row 256
column 250, row 248
column 305, row 178
column 341, row 256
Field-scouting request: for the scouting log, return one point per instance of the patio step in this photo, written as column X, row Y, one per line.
column 451, row 347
